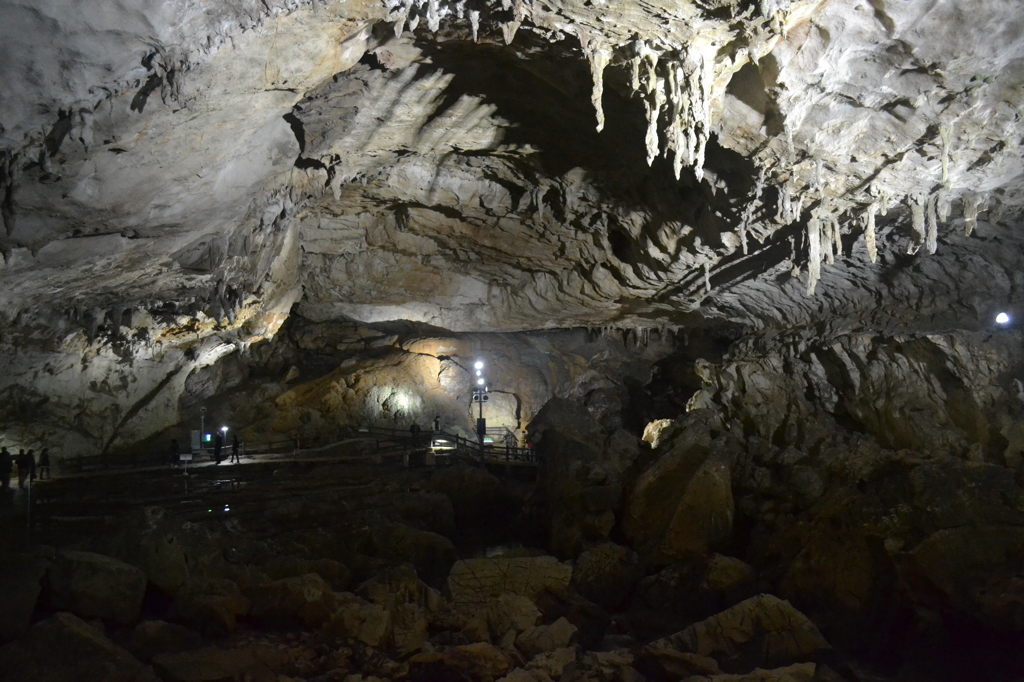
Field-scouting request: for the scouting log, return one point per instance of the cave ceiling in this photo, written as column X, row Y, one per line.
column 503, row 166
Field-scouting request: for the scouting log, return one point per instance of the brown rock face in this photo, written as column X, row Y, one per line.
column 96, row 586
column 475, row 581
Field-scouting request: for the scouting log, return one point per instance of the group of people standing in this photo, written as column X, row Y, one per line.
column 218, row 448
column 27, row 466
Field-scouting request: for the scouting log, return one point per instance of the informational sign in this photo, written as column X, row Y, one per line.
column 185, row 457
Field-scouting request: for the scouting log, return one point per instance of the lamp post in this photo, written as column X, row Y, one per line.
column 480, row 391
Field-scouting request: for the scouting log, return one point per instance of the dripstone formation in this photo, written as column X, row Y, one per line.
column 744, row 277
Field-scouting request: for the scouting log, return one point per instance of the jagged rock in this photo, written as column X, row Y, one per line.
column 64, row 647
column 480, row 661
column 96, row 586
column 510, row 612
column 682, row 504
column 545, row 638
column 358, row 619
column 211, row 604
column 152, row 637
column 606, row 574
column 211, row 665
column 20, row 583
column 431, row 554
column 305, row 599
column 397, row 585
column 409, row 623
column 590, row 619
column 475, row 581
column 552, row 663
column 763, row 631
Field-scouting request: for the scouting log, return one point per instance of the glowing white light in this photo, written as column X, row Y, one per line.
column 479, row 364
column 480, row 381
column 1002, row 318
column 479, row 373
column 224, row 429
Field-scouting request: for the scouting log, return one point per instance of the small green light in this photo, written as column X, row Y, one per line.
column 209, row 510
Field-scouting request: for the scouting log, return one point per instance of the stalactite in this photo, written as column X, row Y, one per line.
column 869, row 232
column 917, row 223
column 826, row 229
column 814, row 254
column 748, row 210
column 971, row 202
column 836, row 235
column 707, row 277
column 946, row 134
column 433, row 17
column 942, row 207
column 598, row 56
column 931, row 242
column 474, row 22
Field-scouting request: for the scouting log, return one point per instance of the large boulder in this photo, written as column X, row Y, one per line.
column 478, row 497
column 96, row 586
column 211, row 604
column 760, row 632
column 682, row 504
column 20, row 583
column 510, row 612
column 64, row 648
column 431, row 554
column 152, row 637
column 475, row 581
column 606, row 574
column 306, row 599
column 409, row 602
column 360, row 620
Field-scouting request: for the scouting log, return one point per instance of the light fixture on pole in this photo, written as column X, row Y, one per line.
column 480, row 397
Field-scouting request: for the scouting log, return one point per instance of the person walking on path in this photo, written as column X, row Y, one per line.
column 510, row 442
column 437, row 424
column 6, row 466
column 218, row 445
column 234, row 450
column 175, row 452
column 23, row 467
column 44, row 464
column 415, row 431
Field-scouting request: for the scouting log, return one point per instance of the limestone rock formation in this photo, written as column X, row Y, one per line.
column 95, row 586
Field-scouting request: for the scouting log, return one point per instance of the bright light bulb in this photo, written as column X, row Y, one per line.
column 479, row 364
column 1002, row 318
column 480, row 381
column 479, row 373
column 224, row 429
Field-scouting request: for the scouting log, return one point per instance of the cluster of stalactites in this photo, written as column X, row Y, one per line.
column 678, row 87
column 823, row 241
column 409, row 13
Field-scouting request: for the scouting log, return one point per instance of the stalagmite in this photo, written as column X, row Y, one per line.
column 836, row 235
column 971, row 202
column 474, row 22
column 707, row 277
column 814, row 254
column 931, row 242
column 917, row 223
column 869, row 232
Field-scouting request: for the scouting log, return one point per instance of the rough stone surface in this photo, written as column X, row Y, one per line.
column 211, row 604
column 763, row 631
column 20, row 583
column 475, row 581
column 96, row 586
column 64, row 647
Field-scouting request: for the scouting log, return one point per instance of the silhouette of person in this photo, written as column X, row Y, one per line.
column 415, row 431
column 437, row 424
column 234, row 450
column 6, row 467
column 175, row 452
column 22, row 461
column 44, row 464
column 218, row 445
